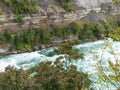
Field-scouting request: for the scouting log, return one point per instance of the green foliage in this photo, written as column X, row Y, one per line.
column 115, row 35
column 113, row 77
column 90, row 31
column 116, row 1
column 30, row 38
column 61, row 31
column 13, row 79
column 75, row 27
column 22, row 6
column 48, row 77
column 66, row 4
column 69, row 52
column 8, row 2
column 56, row 77
column 114, row 67
column 118, row 20
column 18, row 19
column 113, row 22
column 26, row 39
column 106, row 27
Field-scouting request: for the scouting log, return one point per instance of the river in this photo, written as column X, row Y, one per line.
column 95, row 53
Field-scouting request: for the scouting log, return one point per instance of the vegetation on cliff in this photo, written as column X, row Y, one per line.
column 27, row 39
column 22, row 6
column 116, row 1
column 31, row 6
column 66, row 4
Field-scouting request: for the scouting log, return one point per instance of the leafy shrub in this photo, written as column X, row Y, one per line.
column 8, row 2
column 18, row 19
column 66, row 4
column 22, row 6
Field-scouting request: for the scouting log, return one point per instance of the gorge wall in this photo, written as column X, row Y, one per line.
column 51, row 12
column 48, row 16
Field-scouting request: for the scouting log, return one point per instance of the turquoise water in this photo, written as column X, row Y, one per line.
column 95, row 53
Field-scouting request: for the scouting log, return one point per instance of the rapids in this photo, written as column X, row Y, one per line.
column 95, row 53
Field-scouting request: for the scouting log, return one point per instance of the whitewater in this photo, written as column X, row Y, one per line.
column 95, row 53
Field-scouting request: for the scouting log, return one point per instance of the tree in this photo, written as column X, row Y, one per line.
column 13, row 79
column 113, row 78
column 69, row 53
column 115, row 1
column 115, row 35
column 56, row 77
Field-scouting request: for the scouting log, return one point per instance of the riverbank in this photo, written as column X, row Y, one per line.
column 4, row 52
column 34, row 39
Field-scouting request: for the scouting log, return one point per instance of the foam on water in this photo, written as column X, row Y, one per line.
column 94, row 53
column 25, row 60
column 99, row 52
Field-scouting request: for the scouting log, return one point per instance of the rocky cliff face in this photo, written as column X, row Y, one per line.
column 53, row 6
column 90, row 4
column 48, row 5
column 50, row 11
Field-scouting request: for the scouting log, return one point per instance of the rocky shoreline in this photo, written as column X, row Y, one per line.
column 5, row 53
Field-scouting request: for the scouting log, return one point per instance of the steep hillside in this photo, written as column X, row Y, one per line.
column 44, row 12
column 48, row 6
column 29, row 6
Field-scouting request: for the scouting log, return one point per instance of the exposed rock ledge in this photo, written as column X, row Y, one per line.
column 7, row 21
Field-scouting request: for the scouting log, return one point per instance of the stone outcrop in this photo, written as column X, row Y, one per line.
column 51, row 12
column 91, row 4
